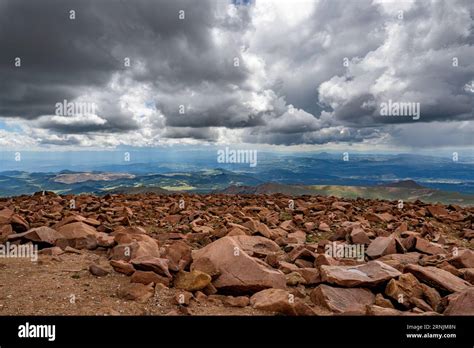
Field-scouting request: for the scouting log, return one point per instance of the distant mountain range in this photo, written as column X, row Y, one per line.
column 14, row 183
column 211, row 181
column 404, row 190
column 404, row 176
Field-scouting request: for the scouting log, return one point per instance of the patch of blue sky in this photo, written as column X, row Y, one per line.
column 10, row 127
column 150, row 104
column 242, row 2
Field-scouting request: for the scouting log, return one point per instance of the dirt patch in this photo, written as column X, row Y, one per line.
column 64, row 286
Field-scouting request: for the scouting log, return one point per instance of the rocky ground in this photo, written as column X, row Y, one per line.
column 148, row 254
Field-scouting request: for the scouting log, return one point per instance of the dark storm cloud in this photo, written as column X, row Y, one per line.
column 58, row 56
column 322, row 136
column 63, row 58
column 271, row 72
column 192, row 133
column 318, row 46
column 424, row 58
column 203, row 109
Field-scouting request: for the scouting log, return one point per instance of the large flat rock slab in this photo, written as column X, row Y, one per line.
column 438, row 278
column 369, row 274
column 239, row 272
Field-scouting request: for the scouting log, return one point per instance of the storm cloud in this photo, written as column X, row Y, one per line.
column 209, row 71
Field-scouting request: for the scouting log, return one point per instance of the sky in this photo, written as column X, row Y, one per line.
column 278, row 74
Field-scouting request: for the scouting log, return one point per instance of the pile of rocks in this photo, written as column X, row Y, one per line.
column 293, row 256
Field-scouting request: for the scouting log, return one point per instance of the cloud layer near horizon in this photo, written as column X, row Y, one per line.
column 273, row 72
